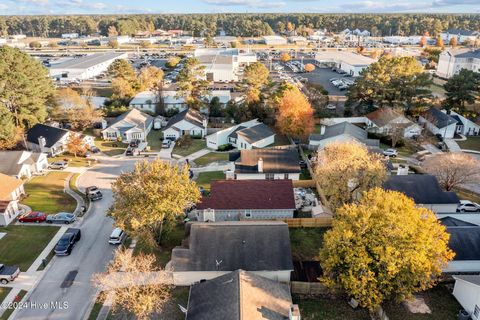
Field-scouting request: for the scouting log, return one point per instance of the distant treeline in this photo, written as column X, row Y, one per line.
column 246, row 25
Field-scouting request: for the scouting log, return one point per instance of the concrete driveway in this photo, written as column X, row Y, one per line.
column 66, row 290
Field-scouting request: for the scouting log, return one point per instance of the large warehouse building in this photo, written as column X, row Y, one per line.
column 349, row 62
column 83, row 68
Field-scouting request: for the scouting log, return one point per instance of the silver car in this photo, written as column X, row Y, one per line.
column 61, row 217
column 59, row 165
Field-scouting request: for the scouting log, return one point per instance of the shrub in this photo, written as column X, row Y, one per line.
column 225, row 147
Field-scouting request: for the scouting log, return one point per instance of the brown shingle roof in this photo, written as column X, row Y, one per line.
column 8, row 185
column 249, row 195
column 383, row 116
column 274, row 161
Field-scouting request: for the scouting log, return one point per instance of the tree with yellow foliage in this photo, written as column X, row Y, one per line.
column 309, row 67
column 295, row 114
column 285, row 57
column 384, row 248
column 346, row 169
column 152, row 196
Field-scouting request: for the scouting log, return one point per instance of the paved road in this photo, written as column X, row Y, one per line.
column 68, row 279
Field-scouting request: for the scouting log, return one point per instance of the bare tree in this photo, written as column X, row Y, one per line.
column 453, row 169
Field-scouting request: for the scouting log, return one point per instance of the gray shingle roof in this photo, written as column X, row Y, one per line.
column 228, row 246
column 460, row 32
column 239, row 295
column 438, row 118
column 274, row 161
column 190, row 115
column 255, row 133
column 454, row 222
column 475, row 279
column 465, row 242
column 87, row 61
column 469, row 54
column 51, row 134
column 423, row 189
column 135, row 118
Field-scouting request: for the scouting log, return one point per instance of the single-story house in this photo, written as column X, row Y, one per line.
column 438, row 122
column 22, row 164
column 11, row 189
column 342, row 132
column 425, row 191
column 269, row 164
column 467, row 293
column 133, row 124
column 146, row 101
column 387, row 120
column 217, row 248
column 170, row 100
column 232, row 200
column 465, row 242
column 465, row 126
column 187, row 122
column 241, row 295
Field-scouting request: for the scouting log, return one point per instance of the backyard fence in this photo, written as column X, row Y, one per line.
column 309, row 288
column 304, row 184
column 309, row 222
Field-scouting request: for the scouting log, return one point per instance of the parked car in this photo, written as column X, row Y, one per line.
column 61, row 217
column 93, row 193
column 8, row 273
column 134, row 143
column 390, row 153
column 331, row 107
column 166, row 143
column 58, row 165
column 117, row 236
column 67, row 242
column 468, row 206
column 33, row 217
column 130, row 151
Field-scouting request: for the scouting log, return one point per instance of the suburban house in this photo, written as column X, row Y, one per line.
column 387, row 121
column 467, row 293
column 341, row 132
column 146, row 101
column 241, row 295
column 187, row 122
column 438, row 122
column 133, row 124
column 465, row 126
column 451, row 62
column 214, row 249
column 246, row 135
column 233, row 200
column 22, row 164
column 51, row 140
column 11, row 189
column 269, row 164
column 465, row 242
column 425, row 191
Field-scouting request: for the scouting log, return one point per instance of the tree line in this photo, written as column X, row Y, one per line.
column 246, row 25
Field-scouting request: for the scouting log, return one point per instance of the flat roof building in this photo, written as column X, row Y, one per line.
column 350, row 62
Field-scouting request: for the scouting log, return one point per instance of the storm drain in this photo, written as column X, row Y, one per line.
column 68, row 281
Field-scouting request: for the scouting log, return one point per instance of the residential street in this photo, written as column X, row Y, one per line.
column 68, row 279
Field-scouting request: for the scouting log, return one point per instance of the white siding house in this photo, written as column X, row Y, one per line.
column 22, row 164
column 467, row 293
column 187, row 122
column 11, row 189
column 438, row 122
column 133, row 124
column 465, row 126
column 451, row 62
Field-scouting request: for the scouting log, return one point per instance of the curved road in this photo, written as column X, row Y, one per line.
column 66, row 290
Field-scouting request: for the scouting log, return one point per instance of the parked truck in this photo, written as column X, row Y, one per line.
column 8, row 273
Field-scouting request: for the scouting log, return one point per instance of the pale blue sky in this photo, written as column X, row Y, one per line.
column 12, row 7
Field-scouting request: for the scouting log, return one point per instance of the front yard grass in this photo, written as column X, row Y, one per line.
column 204, row 178
column 440, row 300
column 196, row 145
column 110, row 148
column 72, row 161
column 9, row 311
column 3, row 293
column 306, row 243
column 329, row 309
column 46, row 193
column 154, row 139
column 22, row 244
column 211, row 157
column 472, row 143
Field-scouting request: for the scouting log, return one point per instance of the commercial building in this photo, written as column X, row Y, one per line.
column 274, row 40
column 351, row 63
column 460, row 35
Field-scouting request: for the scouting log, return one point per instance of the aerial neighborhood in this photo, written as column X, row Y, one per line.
column 239, row 166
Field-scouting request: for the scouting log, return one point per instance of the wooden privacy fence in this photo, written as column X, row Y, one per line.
column 304, row 184
column 308, row 222
column 308, row 288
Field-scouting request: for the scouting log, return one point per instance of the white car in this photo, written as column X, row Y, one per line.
column 59, row 165
column 331, row 107
column 468, row 206
column 390, row 153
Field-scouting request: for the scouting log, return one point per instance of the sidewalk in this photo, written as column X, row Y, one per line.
column 195, row 155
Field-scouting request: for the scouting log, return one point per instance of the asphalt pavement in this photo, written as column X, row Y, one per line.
column 66, row 290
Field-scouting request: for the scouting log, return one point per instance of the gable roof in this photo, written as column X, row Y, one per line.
column 255, row 133
column 473, row 279
column 239, row 295
column 461, row 32
column 465, row 242
column 384, row 116
column 422, row 188
column 454, row 222
column 339, row 129
column 228, row 246
column 249, row 194
column 274, row 161
column 10, row 163
column 189, row 115
column 438, row 118
column 133, row 118
column 469, row 54
column 8, row 185
column 51, row 134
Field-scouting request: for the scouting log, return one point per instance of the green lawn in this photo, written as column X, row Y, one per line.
column 197, row 145
column 329, row 309
column 154, row 140
column 72, row 161
column 306, row 243
column 468, row 195
column 45, row 193
column 3, row 293
column 211, row 157
column 8, row 312
column 110, row 148
column 440, row 300
column 472, row 143
column 22, row 244
column 204, row 178
column 96, row 307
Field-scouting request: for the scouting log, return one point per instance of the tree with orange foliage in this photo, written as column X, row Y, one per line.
column 453, row 42
column 440, row 42
column 309, row 67
column 423, row 41
column 295, row 114
column 285, row 57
